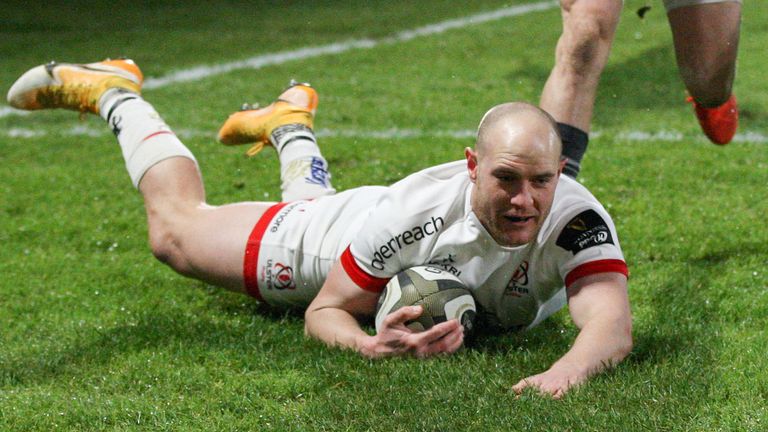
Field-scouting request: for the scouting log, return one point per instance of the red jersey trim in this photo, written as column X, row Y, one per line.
column 251, row 259
column 359, row 276
column 594, row 267
column 158, row 133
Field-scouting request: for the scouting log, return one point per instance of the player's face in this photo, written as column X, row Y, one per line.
column 514, row 186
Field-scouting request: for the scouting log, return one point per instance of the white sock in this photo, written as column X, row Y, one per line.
column 144, row 137
column 303, row 170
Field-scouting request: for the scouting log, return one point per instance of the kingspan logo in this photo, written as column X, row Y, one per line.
column 408, row 237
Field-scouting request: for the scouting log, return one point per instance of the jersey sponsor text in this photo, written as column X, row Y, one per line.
column 397, row 242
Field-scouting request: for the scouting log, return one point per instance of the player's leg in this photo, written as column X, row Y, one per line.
column 580, row 57
column 706, row 38
column 286, row 124
column 194, row 238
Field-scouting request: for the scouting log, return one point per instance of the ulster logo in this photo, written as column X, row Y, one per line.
column 516, row 286
column 278, row 276
column 282, row 277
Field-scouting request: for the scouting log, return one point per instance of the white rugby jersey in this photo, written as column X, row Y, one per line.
column 426, row 218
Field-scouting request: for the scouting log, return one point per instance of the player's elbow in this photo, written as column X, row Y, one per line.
column 313, row 322
column 308, row 322
column 625, row 342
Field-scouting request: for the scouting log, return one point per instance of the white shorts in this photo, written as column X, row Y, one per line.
column 674, row 4
column 275, row 269
column 294, row 244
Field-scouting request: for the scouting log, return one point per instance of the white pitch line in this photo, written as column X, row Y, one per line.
column 204, row 71
column 6, row 111
column 200, row 72
column 747, row 137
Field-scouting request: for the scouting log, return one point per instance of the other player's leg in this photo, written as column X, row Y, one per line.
column 706, row 38
column 580, row 57
column 194, row 238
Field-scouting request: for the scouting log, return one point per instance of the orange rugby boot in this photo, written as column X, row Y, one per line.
column 76, row 87
column 718, row 123
column 296, row 105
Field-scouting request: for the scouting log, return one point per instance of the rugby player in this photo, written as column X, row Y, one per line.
column 706, row 39
column 525, row 239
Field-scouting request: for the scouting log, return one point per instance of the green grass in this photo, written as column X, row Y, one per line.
column 97, row 335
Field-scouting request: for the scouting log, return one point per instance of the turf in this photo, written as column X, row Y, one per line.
column 97, row 335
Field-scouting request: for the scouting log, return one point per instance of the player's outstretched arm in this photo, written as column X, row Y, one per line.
column 599, row 306
column 331, row 318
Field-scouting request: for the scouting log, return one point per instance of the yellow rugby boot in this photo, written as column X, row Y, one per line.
column 73, row 86
column 296, row 105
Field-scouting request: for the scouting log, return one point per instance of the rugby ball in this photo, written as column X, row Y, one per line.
column 442, row 295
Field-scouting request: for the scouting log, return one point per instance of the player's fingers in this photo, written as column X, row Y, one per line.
column 400, row 316
column 521, row 385
column 447, row 344
column 431, row 341
column 436, row 332
column 452, row 341
column 559, row 393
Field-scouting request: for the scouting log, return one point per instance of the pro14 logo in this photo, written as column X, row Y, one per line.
column 586, row 230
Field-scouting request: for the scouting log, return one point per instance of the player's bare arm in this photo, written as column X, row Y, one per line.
column 332, row 317
column 599, row 306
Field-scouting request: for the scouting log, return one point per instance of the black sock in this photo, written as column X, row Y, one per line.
column 575, row 143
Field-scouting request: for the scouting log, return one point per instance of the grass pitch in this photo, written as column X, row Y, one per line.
column 97, row 335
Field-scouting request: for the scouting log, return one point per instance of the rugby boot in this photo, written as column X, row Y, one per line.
column 296, row 105
column 76, row 87
column 718, row 123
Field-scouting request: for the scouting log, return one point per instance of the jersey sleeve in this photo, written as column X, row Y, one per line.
column 401, row 229
column 389, row 242
column 586, row 243
column 359, row 275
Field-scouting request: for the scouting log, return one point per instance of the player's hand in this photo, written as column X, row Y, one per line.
column 397, row 339
column 554, row 382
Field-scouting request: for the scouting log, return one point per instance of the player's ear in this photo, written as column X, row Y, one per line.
column 471, row 156
column 563, row 160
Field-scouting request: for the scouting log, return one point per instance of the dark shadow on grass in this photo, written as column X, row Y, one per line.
column 723, row 255
column 553, row 333
column 682, row 321
column 681, row 333
column 240, row 304
column 167, row 330
column 679, row 339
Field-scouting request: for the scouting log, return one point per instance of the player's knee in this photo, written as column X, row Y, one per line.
column 588, row 33
column 160, row 242
column 165, row 242
column 579, row 52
